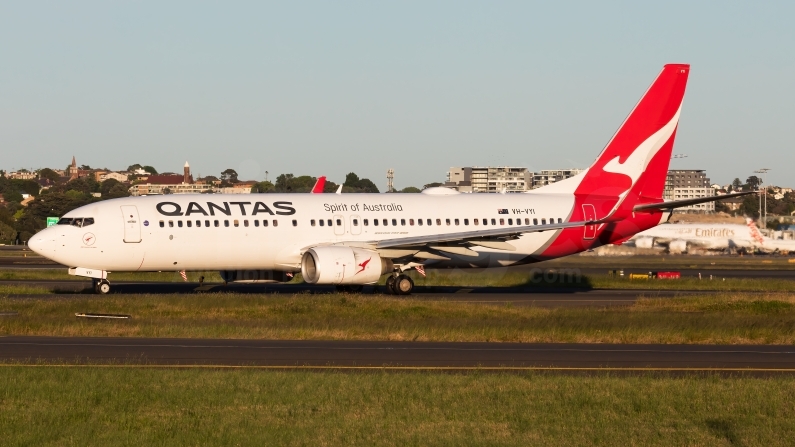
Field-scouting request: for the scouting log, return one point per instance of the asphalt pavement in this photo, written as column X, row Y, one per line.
column 399, row 355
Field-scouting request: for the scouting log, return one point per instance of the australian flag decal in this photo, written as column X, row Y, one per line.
column 502, row 211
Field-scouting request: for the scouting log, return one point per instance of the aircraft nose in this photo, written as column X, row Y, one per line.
column 39, row 243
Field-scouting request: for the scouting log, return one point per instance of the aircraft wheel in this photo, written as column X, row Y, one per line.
column 403, row 285
column 103, row 287
column 390, row 285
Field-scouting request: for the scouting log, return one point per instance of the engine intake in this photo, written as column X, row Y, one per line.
column 337, row 264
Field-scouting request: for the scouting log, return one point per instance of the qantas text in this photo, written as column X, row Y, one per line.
column 226, row 208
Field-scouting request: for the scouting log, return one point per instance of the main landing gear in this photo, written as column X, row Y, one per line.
column 101, row 286
column 399, row 285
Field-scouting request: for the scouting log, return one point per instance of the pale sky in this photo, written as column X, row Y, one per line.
column 325, row 88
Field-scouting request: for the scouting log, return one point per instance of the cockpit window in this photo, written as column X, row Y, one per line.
column 76, row 221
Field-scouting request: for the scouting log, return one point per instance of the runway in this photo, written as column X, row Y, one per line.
column 399, row 355
column 540, row 297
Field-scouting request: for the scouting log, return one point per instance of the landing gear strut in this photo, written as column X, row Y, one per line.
column 101, row 286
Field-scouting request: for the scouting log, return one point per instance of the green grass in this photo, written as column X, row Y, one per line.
column 85, row 406
column 715, row 318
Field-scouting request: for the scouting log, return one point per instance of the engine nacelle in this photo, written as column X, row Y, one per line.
column 336, row 264
column 644, row 242
column 254, row 276
column 677, row 246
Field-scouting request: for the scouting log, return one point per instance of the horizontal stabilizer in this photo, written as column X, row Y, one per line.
column 687, row 202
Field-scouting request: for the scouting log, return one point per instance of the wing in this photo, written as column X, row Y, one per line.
column 440, row 246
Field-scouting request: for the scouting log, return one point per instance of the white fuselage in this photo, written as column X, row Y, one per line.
column 271, row 231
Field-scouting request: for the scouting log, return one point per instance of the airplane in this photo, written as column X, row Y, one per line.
column 681, row 238
column 319, row 184
column 350, row 240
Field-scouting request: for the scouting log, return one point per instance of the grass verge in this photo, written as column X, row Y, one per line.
column 139, row 406
column 715, row 318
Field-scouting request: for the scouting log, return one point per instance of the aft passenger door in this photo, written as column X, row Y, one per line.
column 132, row 225
column 589, row 213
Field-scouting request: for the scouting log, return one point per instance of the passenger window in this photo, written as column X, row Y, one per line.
column 88, row 221
column 190, row 223
column 535, row 221
column 256, row 223
column 419, row 222
column 245, row 223
column 502, row 221
column 366, row 222
column 485, row 221
column 329, row 222
column 339, row 222
column 429, row 222
column 518, row 221
column 237, row 223
column 312, row 222
column 543, row 221
column 475, row 221
column 411, row 222
column 198, row 223
column 456, row 221
column 394, row 222
column 375, row 222
column 275, row 223
column 295, row 223
column 355, row 222
column 386, row 222
column 403, row 222
column 551, row 220
column 206, row 223
column 447, row 221
column 560, row 220
column 527, row 221
column 510, row 221
column 264, row 223
column 162, row 224
column 179, row 223
column 466, row 221
column 493, row 221
column 171, row 223
column 226, row 223
column 438, row 221
column 215, row 222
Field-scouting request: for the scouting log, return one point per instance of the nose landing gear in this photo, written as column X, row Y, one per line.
column 101, row 286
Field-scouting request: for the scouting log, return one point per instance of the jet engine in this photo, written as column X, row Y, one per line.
column 644, row 242
column 336, row 264
column 677, row 246
column 254, row 276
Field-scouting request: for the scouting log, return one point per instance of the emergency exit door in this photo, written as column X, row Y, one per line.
column 132, row 225
column 589, row 213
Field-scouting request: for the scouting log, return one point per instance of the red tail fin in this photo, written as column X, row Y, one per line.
column 319, row 185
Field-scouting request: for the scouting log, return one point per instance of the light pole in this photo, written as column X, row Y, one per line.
column 763, row 197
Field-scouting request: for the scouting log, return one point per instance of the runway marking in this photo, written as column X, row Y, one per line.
column 415, row 368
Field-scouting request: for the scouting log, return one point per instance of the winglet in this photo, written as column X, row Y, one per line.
column 339, row 190
column 319, row 184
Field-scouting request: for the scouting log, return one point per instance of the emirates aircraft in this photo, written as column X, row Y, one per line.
column 680, row 238
column 350, row 240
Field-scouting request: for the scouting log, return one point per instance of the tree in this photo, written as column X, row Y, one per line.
column 432, row 185
column 262, row 187
column 133, row 168
column 85, row 185
column 150, row 170
column 737, row 185
column 291, row 183
column 229, row 176
column 85, row 167
column 112, row 189
column 355, row 184
column 753, row 182
column 410, row 189
column 49, row 174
